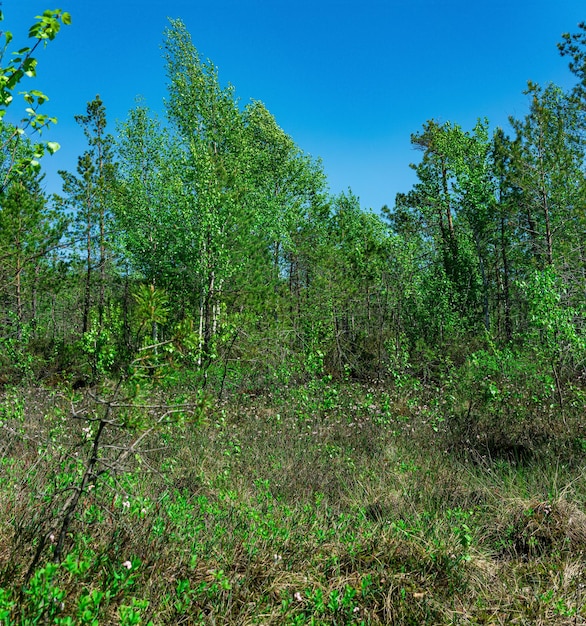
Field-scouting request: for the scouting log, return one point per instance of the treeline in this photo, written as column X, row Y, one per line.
column 208, row 245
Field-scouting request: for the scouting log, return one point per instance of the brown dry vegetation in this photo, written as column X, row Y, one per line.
column 324, row 506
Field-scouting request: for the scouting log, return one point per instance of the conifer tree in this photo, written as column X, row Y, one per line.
column 89, row 195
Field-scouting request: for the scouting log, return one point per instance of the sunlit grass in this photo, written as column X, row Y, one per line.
column 328, row 505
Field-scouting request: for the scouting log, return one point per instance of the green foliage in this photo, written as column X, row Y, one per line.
column 392, row 398
column 23, row 64
column 151, row 305
column 89, row 195
column 554, row 326
column 328, row 518
column 574, row 46
column 30, row 233
column 100, row 345
column 16, row 361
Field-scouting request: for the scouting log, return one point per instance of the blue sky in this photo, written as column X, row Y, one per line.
column 348, row 80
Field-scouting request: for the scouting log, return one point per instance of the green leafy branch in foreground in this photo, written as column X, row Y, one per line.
column 23, row 63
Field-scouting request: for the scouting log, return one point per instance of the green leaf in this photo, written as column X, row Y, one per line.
column 29, row 67
column 66, row 18
column 15, row 79
column 52, row 147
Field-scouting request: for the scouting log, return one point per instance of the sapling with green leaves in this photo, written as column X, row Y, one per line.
column 116, row 420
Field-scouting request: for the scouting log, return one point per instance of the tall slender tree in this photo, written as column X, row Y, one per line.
column 548, row 160
column 30, row 230
column 89, row 194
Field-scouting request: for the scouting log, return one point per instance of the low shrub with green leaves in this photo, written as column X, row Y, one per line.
column 335, row 504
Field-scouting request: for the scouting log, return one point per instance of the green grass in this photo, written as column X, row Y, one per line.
column 327, row 504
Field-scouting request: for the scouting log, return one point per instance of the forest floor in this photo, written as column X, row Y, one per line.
column 318, row 504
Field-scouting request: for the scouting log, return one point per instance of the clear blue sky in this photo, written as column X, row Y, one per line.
column 348, row 80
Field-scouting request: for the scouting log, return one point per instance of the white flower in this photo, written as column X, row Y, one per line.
column 126, row 504
column 298, row 597
column 127, row 564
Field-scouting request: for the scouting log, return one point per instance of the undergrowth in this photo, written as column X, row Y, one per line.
column 324, row 504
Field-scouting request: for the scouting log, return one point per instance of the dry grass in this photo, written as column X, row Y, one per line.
column 295, row 510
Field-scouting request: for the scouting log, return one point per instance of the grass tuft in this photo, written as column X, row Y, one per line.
column 317, row 508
